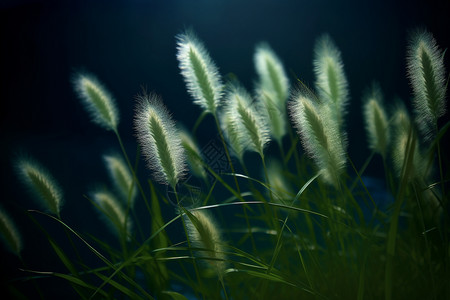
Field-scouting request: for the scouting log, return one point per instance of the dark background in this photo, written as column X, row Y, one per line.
column 130, row 44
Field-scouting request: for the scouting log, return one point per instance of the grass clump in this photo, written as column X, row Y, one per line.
column 311, row 225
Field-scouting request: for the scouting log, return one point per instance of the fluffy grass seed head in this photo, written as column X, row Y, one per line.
column 121, row 176
column 320, row 135
column 331, row 82
column 271, row 73
column 401, row 128
column 114, row 212
column 272, row 88
column 204, row 233
column 246, row 117
column 230, row 129
column 41, row 184
column 199, row 72
column 193, row 154
column 275, row 115
column 425, row 66
column 9, row 233
column 281, row 189
column 160, row 140
column 97, row 100
column 377, row 123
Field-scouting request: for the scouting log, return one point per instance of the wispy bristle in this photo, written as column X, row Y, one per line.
column 113, row 210
column 9, row 233
column 204, row 233
column 42, row 185
column 331, row 83
column 97, row 101
column 160, row 140
column 320, row 136
column 199, row 71
column 427, row 76
column 377, row 125
column 250, row 124
column 121, row 176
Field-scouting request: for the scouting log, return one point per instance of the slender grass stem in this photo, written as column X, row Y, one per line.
column 227, row 153
column 136, row 180
column 427, row 245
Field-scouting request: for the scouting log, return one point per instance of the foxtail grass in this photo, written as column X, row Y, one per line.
column 121, row 177
column 41, row 184
column 426, row 73
column 377, row 124
column 193, row 155
column 9, row 233
column 199, row 72
column 114, row 212
column 97, row 101
column 272, row 88
column 159, row 140
column 251, row 127
column 319, row 135
column 331, row 82
column 205, row 235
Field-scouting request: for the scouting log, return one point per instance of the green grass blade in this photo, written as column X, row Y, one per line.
column 175, row 295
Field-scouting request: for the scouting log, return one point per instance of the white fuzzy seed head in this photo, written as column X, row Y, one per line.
column 402, row 126
column 160, row 140
column 425, row 65
column 97, row 100
column 377, row 124
column 41, row 184
column 9, row 233
column 272, row 89
column 113, row 210
column 199, row 72
column 271, row 73
column 121, row 176
column 204, row 233
column 319, row 135
column 331, row 82
column 193, row 154
column 247, row 119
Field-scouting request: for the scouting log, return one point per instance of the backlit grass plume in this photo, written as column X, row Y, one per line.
column 279, row 184
column 121, row 177
column 427, row 76
column 114, row 211
column 204, row 234
column 232, row 135
column 41, row 183
column 9, row 233
column 250, row 124
column 159, row 140
column 272, row 88
column 319, row 135
column 97, row 101
column 377, row 124
column 193, row 154
column 331, row 82
column 402, row 128
column 199, row 71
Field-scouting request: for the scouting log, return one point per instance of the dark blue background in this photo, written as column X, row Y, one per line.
column 129, row 44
